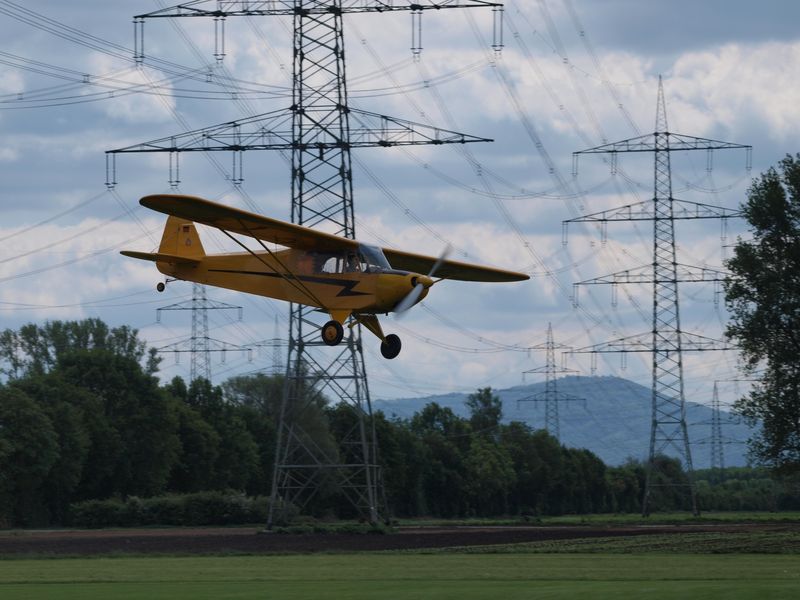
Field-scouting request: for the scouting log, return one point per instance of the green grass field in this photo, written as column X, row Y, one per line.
column 394, row 576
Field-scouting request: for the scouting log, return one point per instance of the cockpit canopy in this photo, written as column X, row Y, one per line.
column 368, row 259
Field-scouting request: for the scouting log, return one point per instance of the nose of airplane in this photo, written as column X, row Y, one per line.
column 419, row 285
column 423, row 280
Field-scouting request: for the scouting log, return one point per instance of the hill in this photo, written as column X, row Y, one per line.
column 613, row 421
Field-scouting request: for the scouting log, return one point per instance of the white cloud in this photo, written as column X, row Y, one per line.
column 59, row 269
column 8, row 154
column 739, row 87
column 153, row 105
column 11, row 82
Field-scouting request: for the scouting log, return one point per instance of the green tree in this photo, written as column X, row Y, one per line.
column 446, row 438
column 137, row 422
column 490, row 476
column 623, row 492
column 28, row 451
column 258, row 400
column 402, row 456
column 237, row 462
column 65, row 406
column 36, row 349
column 486, row 410
column 527, row 495
column 763, row 297
column 195, row 468
column 586, row 474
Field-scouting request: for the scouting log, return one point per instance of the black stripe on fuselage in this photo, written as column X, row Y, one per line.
column 347, row 285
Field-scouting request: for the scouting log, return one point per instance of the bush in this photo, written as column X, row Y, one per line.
column 164, row 510
column 94, row 514
column 198, row 509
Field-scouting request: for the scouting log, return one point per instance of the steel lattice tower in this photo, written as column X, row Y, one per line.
column 551, row 396
column 200, row 345
column 666, row 342
column 717, row 455
column 319, row 129
column 716, row 440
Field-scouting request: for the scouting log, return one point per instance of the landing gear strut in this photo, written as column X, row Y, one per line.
column 332, row 333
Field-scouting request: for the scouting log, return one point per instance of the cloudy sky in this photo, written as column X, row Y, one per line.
column 573, row 74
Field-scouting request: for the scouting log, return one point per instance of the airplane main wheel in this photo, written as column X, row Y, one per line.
column 160, row 286
column 390, row 347
column 332, row 333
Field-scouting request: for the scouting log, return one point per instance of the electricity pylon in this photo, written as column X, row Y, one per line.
column 666, row 342
column 551, row 396
column 717, row 455
column 319, row 129
column 200, row 345
column 716, row 441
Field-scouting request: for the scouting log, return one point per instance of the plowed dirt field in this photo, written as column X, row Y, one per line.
column 253, row 541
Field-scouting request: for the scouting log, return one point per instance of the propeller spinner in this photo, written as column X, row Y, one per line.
column 423, row 282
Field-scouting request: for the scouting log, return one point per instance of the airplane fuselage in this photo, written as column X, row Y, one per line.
column 280, row 275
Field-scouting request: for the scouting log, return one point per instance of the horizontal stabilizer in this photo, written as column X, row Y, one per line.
column 161, row 257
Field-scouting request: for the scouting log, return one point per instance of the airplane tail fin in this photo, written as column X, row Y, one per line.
column 180, row 238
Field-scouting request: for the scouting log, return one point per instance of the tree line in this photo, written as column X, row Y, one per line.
column 83, row 417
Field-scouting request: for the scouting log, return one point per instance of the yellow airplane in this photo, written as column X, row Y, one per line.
column 340, row 276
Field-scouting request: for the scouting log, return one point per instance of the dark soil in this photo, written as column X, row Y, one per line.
column 253, row 541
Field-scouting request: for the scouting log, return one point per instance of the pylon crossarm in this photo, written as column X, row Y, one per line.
column 643, row 342
column 644, row 274
column 645, row 211
column 243, row 8
column 273, row 131
column 211, row 345
column 549, row 396
column 679, row 142
column 549, row 369
column 700, row 343
column 642, row 143
column 636, row 343
column 663, row 142
column 206, row 305
column 382, row 130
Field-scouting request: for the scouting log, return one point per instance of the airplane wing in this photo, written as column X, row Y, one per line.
column 161, row 257
column 449, row 269
column 256, row 226
column 263, row 228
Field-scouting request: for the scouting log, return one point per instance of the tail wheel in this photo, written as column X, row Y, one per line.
column 161, row 286
column 332, row 333
column 390, row 346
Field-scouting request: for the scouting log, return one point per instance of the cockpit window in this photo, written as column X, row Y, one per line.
column 372, row 259
column 368, row 259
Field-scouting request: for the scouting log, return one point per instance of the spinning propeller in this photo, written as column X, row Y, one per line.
column 412, row 297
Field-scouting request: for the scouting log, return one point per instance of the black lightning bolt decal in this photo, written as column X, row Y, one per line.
column 347, row 285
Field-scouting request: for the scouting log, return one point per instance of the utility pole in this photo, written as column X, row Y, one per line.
column 551, row 396
column 319, row 129
column 666, row 341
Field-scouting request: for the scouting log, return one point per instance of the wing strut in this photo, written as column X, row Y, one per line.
column 288, row 276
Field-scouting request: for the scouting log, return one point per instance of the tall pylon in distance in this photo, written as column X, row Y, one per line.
column 666, row 341
column 319, row 129
column 551, row 396
column 717, row 455
column 716, row 440
column 200, row 345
